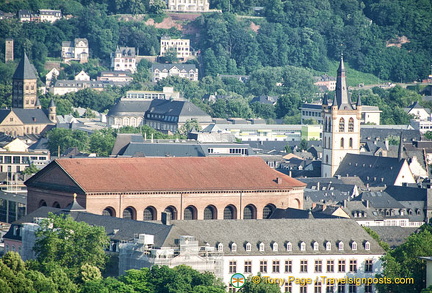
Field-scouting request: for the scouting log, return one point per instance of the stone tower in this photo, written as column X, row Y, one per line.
column 52, row 111
column 24, row 85
column 9, row 50
column 341, row 126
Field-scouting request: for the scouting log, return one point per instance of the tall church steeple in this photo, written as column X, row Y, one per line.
column 341, row 126
column 24, row 85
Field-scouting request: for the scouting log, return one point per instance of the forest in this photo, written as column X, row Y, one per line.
column 281, row 46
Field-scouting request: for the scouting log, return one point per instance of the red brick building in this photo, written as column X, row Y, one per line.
column 188, row 188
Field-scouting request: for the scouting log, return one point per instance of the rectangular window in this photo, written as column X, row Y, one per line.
column 303, row 266
column 353, row 266
column 368, row 289
column 276, row 266
column 303, row 289
column 288, row 287
column 16, row 159
column 329, row 288
column 318, row 266
column 341, row 266
column 263, row 266
column 288, row 266
column 233, row 267
column 341, row 288
column 352, row 288
column 317, row 287
column 330, row 266
column 368, row 266
column 248, row 266
column 8, row 159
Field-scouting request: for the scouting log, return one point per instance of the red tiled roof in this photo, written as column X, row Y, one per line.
column 174, row 174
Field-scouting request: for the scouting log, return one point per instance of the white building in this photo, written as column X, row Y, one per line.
column 180, row 46
column 161, row 71
column 124, row 59
column 82, row 76
column 78, row 50
column 188, row 5
column 48, row 15
column 313, row 111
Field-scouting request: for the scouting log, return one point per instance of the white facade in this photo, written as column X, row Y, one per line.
column 188, row 5
column 82, row 76
column 77, row 50
column 181, row 46
column 47, row 15
column 124, row 59
column 181, row 70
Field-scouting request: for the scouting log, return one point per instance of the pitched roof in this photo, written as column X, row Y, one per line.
column 278, row 231
column 180, row 66
column 125, row 107
column 184, row 110
column 374, row 170
column 25, row 70
column 167, row 174
column 32, row 116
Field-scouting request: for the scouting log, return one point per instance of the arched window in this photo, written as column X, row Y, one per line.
column 275, row 247
column 210, row 213
column 42, row 203
column 354, row 245
column 350, row 143
column 367, row 245
column 56, row 205
column 315, row 246
column 220, row 247
column 190, row 213
column 341, row 125
column 109, row 211
column 341, row 246
column 129, row 213
column 150, row 214
column 327, row 160
column 233, row 247
column 249, row 212
column 230, row 212
column 268, row 210
column 248, row 246
column 328, row 245
column 351, row 125
column 342, row 142
column 289, row 246
column 261, row 246
column 173, row 211
column 302, row 246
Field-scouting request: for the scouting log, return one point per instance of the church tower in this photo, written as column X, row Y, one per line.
column 341, row 126
column 52, row 111
column 24, row 85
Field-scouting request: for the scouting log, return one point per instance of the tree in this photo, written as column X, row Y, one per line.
column 62, row 241
column 189, row 125
column 32, row 169
column 66, row 138
column 157, row 7
column 404, row 262
column 102, row 142
column 262, row 287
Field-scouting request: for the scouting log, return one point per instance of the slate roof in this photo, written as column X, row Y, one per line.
column 374, row 170
column 165, row 174
column 379, row 200
column 270, row 100
column 161, row 67
column 127, row 108
column 184, row 110
column 25, row 70
column 291, row 213
column 403, row 193
column 278, row 231
column 32, row 116
column 393, row 235
column 123, row 140
column 372, row 132
column 135, row 149
column 126, row 51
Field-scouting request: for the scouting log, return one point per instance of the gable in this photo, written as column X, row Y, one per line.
column 53, row 177
column 11, row 119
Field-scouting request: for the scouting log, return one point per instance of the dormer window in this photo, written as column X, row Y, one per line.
column 233, row 247
column 302, row 246
column 354, row 245
column 261, row 246
column 328, row 245
column 340, row 245
column 315, row 245
column 220, row 247
column 289, row 246
column 367, row 245
column 275, row 246
column 248, row 246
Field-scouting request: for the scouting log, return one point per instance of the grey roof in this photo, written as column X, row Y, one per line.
column 123, row 140
column 393, row 235
column 403, row 193
column 127, row 108
column 180, row 66
column 291, row 213
column 194, row 149
column 32, row 116
column 379, row 199
column 25, row 70
column 126, row 51
column 381, row 132
column 184, row 110
column 334, row 181
column 278, row 231
column 271, row 100
column 373, row 170
column 326, row 196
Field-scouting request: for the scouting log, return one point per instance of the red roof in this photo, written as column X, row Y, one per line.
column 174, row 174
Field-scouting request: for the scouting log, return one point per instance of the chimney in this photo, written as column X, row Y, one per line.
column 166, row 218
column 279, row 180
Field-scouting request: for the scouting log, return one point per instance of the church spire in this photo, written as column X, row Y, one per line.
column 342, row 100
